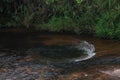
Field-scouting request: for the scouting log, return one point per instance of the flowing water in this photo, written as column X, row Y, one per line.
column 106, row 60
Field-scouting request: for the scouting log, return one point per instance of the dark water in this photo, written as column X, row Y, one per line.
column 106, row 60
column 17, row 41
column 52, row 43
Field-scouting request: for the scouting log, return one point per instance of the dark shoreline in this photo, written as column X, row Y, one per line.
column 28, row 31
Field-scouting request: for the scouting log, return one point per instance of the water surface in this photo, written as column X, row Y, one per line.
column 106, row 60
column 27, row 41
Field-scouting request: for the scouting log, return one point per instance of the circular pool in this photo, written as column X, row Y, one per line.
column 63, row 53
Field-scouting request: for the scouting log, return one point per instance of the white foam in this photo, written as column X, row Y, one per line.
column 89, row 51
column 84, row 58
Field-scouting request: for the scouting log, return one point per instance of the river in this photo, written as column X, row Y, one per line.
column 105, row 65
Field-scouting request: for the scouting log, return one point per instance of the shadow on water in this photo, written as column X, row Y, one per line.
column 19, row 41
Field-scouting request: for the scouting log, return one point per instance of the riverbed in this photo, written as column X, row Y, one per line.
column 16, row 65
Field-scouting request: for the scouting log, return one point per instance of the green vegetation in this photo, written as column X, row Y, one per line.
column 100, row 17
column 108, row 25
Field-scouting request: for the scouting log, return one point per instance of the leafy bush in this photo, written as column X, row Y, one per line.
column 101, row 17
column 108, row 25
column 59, row 24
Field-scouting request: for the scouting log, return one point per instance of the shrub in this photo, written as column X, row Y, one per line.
column 59, row 24
column 108, row 25
column 79, row 16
